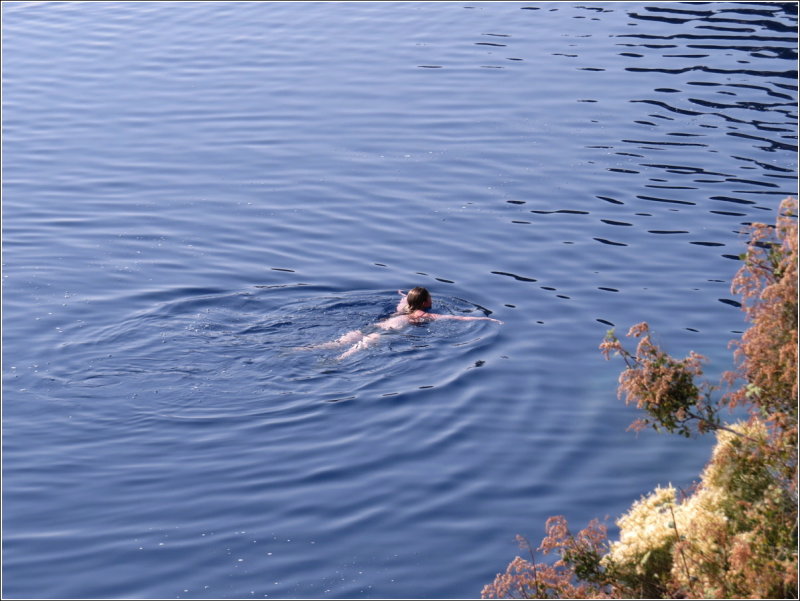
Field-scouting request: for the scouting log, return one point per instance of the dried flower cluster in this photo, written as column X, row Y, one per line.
column 577, row 574
column 662, row 386
column 767, row 351
column 735, row 535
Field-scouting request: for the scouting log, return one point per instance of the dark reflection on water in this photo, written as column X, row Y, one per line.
column 192, row 191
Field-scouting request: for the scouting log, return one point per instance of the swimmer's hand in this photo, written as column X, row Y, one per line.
column 489, row 319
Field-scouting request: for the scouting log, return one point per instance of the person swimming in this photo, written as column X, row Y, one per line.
column 413, row 308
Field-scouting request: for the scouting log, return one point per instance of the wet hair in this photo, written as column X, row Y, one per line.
column 416, row 299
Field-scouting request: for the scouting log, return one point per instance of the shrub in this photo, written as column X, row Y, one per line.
column 735, row 535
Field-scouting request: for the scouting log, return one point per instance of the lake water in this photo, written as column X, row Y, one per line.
column 192, row 190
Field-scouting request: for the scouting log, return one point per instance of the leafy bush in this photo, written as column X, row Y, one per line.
column 735, row 535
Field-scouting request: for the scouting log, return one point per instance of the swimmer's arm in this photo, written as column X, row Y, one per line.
column 461, row 317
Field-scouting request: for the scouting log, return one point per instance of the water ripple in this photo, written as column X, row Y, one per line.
column 192, row 192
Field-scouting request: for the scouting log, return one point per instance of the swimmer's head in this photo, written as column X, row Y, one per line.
column 418, row 299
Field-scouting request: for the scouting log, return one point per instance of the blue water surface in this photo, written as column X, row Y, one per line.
column 193, row 190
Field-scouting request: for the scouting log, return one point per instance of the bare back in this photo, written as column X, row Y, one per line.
column 395, row 322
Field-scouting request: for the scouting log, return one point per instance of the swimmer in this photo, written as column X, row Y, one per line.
column 413, row 308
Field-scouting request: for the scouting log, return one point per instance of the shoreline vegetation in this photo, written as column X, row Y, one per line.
column 734, row 534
